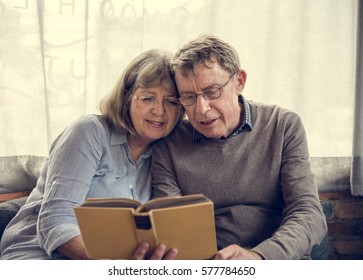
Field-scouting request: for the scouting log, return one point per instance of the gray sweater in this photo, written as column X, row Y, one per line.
column 260, row 181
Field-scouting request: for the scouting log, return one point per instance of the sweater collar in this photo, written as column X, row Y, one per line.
column 247, row 122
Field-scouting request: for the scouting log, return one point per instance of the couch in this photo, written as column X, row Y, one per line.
column 18, row 176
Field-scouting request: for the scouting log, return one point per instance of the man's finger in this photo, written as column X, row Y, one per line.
column 140, row 251
column 158, row 252
column 171, row 254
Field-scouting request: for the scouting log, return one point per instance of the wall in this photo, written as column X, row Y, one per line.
column 344, row 212
column 344, row 215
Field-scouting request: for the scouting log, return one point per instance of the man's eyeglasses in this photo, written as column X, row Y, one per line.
column 208, row 94
column 170, row 104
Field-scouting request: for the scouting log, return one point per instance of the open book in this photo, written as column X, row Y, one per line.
column 113, row 227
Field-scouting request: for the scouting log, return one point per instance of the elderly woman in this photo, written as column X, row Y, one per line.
column 104, row 155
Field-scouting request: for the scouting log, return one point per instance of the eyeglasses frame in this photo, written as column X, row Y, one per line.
column 220, row 89
column 156, row 100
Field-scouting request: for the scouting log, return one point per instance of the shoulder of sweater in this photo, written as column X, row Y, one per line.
column 184, row 127
column 274, row 116
column 271, row 109
column 183, row 130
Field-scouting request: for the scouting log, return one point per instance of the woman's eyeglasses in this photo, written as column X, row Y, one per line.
column 171, row 104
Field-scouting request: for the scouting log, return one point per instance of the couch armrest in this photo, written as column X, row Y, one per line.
column 8, row 210
column 18, row 175
column 14, row 195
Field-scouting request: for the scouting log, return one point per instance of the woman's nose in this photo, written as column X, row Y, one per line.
column 159, row 107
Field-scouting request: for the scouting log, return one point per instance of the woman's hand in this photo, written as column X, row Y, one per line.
column 73, row 249
column 158, row 254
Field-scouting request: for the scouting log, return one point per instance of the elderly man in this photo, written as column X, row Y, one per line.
column 251, row 159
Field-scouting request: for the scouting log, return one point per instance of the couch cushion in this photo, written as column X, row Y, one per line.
column 8, row 210
column 19, row 173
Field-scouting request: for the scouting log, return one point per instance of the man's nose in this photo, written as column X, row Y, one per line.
column 202, row 105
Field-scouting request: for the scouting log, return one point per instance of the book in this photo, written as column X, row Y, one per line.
column 112, row 228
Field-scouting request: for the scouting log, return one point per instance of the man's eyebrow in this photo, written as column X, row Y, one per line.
column 186, row 92
column 203, row 89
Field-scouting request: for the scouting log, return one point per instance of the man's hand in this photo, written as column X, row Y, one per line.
column 158, row 254
column 235, row 252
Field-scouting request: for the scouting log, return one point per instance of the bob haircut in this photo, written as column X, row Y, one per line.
column 149, row 69
column 202, row 49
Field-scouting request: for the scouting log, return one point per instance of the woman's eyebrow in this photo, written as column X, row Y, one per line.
column 146, row 91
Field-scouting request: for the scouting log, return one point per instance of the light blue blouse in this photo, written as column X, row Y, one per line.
column 87, row 160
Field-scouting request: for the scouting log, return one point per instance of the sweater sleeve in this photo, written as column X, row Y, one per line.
column 303, row 224
column 164, row 180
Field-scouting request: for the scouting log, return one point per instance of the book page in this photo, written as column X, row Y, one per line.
column 166, row 202
column 111, row 202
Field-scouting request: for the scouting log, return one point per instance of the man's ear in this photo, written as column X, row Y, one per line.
column 241, row 78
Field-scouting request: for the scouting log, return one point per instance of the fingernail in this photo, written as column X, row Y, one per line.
column 144, row 246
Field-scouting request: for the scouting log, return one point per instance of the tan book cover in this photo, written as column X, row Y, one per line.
column 113, row 227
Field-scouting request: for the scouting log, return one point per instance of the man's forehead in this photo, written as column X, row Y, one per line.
column 210, row 71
